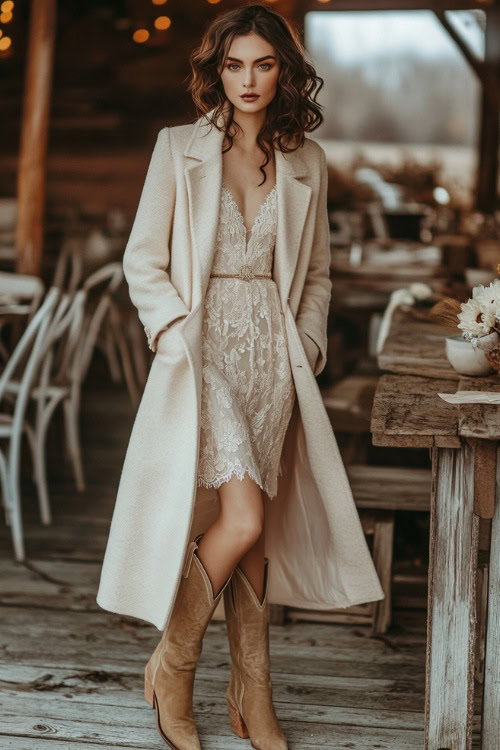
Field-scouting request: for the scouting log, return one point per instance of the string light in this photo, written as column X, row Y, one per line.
column 5, row 43
column 141, row 35
column 162, row 22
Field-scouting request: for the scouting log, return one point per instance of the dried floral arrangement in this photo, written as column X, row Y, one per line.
column 478, row 318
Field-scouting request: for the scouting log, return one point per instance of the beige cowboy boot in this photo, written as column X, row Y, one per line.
column 249, row 694
column 169, row 673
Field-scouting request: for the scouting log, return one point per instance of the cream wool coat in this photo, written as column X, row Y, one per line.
column 318, row 554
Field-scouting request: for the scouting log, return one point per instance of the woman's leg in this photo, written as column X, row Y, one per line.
column 252, row 564
column 237, row 535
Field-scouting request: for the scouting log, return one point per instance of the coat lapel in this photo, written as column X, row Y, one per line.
column 204, row 186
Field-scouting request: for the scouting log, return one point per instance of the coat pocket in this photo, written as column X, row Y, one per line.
column 170, row 346
column 310, row 348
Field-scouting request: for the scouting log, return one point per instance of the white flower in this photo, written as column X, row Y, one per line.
column 488, row 298
column 471, row 318
column 480, row 315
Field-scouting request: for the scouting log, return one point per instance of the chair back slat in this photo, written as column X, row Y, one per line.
column 35, row 336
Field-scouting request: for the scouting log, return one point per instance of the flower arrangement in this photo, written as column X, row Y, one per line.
column 480, row 315
column 478, row 319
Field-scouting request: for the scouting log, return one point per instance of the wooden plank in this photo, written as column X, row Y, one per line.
column 479, row 420
column 491, row 705
column 447, row 441
column 402, row 441
column 390, row 487
column 125, row 688
column 451, row 602
column 214, row 733
column 138, row 714
column 416, row 346
column 409, row 408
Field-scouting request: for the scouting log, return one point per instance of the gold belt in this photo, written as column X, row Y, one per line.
column 246, row 274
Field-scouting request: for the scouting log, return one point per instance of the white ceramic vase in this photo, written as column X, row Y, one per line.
column 465, row 358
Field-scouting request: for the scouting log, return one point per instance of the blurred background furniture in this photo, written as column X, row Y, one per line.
column 464, row 521
column 26, row 358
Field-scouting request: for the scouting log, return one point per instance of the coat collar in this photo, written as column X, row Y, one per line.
column 204, row 184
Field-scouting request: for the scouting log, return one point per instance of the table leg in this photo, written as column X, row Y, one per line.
column 491, row 701
column 451, row 601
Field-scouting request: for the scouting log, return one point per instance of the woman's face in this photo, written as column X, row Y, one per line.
column 251, row 67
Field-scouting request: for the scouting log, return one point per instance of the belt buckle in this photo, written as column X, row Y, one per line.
column 246, row 273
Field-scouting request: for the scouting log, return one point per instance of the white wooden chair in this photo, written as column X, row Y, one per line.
column 23, row 290
column 114, row 330
column 58, row 381
column 69, row 267
column 28, row 354
column 104, row 328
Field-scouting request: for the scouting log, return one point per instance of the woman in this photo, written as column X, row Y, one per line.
column 228, row 266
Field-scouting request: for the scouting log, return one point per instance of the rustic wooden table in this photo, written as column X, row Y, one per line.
column 464, row 565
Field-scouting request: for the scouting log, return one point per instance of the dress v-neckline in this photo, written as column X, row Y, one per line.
column 247, row 231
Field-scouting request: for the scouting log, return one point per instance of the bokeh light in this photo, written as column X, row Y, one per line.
column 159, row 2
column 163, row 22
column 6, row 17
column 5, row 43
column 141, row 35
column 7, row 6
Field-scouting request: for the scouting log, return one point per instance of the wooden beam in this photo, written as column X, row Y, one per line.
column 32, row 157
column 475, row 62
column 489, row 132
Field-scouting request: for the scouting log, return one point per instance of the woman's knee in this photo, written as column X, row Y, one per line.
column 242, row 511
column 246, row 527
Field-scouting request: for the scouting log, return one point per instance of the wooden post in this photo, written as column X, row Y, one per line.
column 491, row 701
column 32, row 157
column 487, row 186
column 451, row 614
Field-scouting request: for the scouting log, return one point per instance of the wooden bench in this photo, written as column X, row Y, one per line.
column 378, row 491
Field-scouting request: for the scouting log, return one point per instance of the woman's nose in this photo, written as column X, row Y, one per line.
column 249, row 78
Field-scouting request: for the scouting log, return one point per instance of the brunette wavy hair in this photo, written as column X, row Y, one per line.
column 293, row 110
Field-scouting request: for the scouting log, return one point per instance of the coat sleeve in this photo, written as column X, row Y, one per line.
column 312, row 313
column 147, row 253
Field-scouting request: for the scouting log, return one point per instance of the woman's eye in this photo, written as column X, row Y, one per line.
column 235, row 66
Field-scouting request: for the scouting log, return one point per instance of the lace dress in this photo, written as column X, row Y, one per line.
column 247, row 385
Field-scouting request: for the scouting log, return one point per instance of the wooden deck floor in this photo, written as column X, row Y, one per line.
column 71, row 674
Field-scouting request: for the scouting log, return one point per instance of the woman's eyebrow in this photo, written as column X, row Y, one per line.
column 259, row 59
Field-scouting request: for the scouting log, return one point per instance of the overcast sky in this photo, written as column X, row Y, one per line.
column 351, row 37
